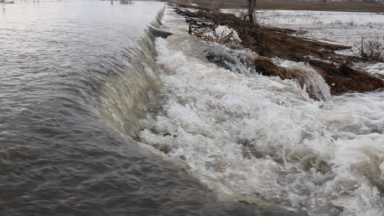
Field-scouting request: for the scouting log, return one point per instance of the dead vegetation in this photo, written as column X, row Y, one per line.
column 371, row 50
column 270, row 42
column 285, row 5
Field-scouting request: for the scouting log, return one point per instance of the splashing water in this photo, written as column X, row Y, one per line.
column 312, row 79
column 264, row 136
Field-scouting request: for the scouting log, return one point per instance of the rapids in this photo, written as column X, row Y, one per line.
column 86, row 89
column 263, row 136
column 76, row 77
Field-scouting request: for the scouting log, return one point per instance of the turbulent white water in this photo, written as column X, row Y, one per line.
column 312, row 79
column 264, row 136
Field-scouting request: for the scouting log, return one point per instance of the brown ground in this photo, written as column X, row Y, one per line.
column 268, row 42
column 289, row 5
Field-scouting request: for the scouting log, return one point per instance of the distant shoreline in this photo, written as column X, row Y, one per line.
column 287, row 5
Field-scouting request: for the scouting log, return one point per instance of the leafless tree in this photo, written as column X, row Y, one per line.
column 251, row 9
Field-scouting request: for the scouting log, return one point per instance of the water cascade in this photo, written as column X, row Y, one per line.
column 263, row 136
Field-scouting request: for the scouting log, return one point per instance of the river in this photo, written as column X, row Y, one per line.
column 263, row 136
column 63, row 65
column 86, row 89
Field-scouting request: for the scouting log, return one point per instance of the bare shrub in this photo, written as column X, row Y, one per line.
column 243, row 15
column 371, row 50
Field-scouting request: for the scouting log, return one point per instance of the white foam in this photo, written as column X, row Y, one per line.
column 263, row 136
column 312, row 80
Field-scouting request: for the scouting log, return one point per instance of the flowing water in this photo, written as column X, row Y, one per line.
column 264, row 136
column 82, row 82
column 75, row 78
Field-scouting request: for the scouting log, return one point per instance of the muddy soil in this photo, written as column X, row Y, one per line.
column 287, row 5
column 337, row 70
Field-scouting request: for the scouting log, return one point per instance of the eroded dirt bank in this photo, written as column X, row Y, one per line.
column 288, row 5
column 268, row 42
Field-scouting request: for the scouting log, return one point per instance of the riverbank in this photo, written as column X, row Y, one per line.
column 287, row 5
column 261, row 135
column 271, row 43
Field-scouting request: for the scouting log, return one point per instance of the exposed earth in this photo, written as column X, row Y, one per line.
column 288, row 5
